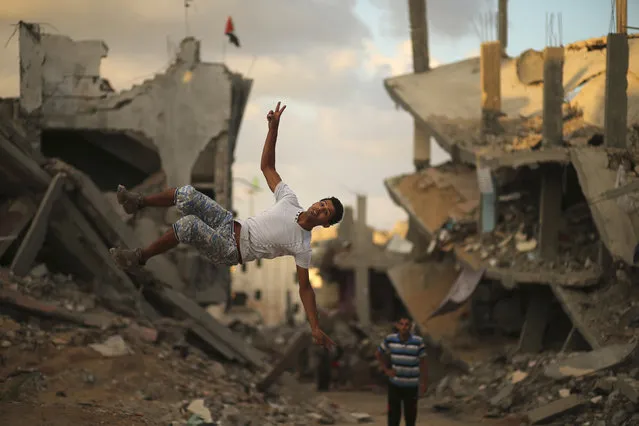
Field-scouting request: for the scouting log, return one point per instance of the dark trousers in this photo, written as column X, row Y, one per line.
column 398, row 395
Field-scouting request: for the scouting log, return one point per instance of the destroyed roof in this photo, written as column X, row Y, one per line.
column 447, row 101
column 436, row 194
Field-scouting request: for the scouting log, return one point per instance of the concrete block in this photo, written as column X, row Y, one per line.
column 553, row 96
column 587, row 363
column 555, row 409
column 616, row 94
column 628, row 388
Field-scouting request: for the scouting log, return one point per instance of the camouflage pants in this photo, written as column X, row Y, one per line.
column 205, row 225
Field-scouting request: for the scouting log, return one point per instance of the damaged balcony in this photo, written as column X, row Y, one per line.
column 445, row 202
column 446, row 100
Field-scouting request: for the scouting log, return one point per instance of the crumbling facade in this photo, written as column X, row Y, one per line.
column 179, row 127
column 521, row 199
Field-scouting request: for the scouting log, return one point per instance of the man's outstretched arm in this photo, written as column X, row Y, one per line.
column 268, row 152
column 307, row 295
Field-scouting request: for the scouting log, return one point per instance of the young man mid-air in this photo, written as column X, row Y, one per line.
column 281, row 230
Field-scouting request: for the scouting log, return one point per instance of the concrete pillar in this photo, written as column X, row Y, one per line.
column 421, row 147
column 550, row 210
column 31, row 67
column 222, row 174
column 503, row 25
column 419, row 35
column 553, row 96
column 552, row 174
column 621, row 7
column 490, row 77
column 421, row 63
column 362, row 298
column 532, row 334
column 616, row 97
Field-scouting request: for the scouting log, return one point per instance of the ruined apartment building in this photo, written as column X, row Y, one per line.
column 522, row 208
column 178, row 127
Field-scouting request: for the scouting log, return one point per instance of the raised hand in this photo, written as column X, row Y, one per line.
column 273, row 117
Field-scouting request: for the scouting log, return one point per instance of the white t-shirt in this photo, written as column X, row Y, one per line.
column 275, row 232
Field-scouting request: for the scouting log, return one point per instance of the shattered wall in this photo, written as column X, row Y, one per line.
column 179, row 126
column 191, row 109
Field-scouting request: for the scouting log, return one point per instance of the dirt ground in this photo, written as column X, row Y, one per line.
column 375, row 405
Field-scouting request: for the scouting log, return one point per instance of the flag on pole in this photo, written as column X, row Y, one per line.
column 229, row 31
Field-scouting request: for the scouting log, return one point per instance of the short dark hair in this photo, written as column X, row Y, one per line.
column 339, row 210
column 400, row 317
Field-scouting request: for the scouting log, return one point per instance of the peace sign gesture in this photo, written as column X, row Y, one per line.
column 273, row 117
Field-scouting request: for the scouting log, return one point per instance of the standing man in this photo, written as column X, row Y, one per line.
column 407, row 365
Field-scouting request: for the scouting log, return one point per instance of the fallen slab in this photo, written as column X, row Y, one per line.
column 33, row 240
column 210, row 330
column 555, row 409
column 15, row 215
column 300, row 340
column 108, row 222
column 614, row 225
column 15, row 299
column 581, row 364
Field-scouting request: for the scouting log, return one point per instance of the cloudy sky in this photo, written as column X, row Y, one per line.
column 325, row 59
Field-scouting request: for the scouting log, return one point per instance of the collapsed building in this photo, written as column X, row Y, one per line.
column 65, row 145
column 532, row 221
column 179, row 127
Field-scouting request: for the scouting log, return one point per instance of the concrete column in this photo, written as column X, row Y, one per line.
column 421, row 146
column 419, row 35
column 222, row 174
column 616, row 97
column 503, row 25
column 621, row 7
column 362, row 298
column 31, row 67
column 550, row 210
column 490, row 77
column 421, row 63
column 551, row 181
column 553, row 96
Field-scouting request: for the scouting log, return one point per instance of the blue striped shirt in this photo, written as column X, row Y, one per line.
column 405, row 356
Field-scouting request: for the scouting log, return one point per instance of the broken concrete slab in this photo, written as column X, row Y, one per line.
column 628, row 388
column 34, row 238
column 109, row 224
column 551, row 411
column 15, row 215
column 114, row 346
column 614, row 225
column 299, row 341
column 581, row 364
column 15, row 299
column 458, row 85
column 187, row 308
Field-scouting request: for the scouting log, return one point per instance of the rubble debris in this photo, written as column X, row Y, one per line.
column 299, row 341
column 198, row 408
column 555, row 409
column 33, row 240
column 579, row 365
column 113, row 346
column 15, row 215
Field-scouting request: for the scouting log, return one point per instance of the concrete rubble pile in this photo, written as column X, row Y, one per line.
column 60, row 292
column 597, row 388
column 75, row 328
